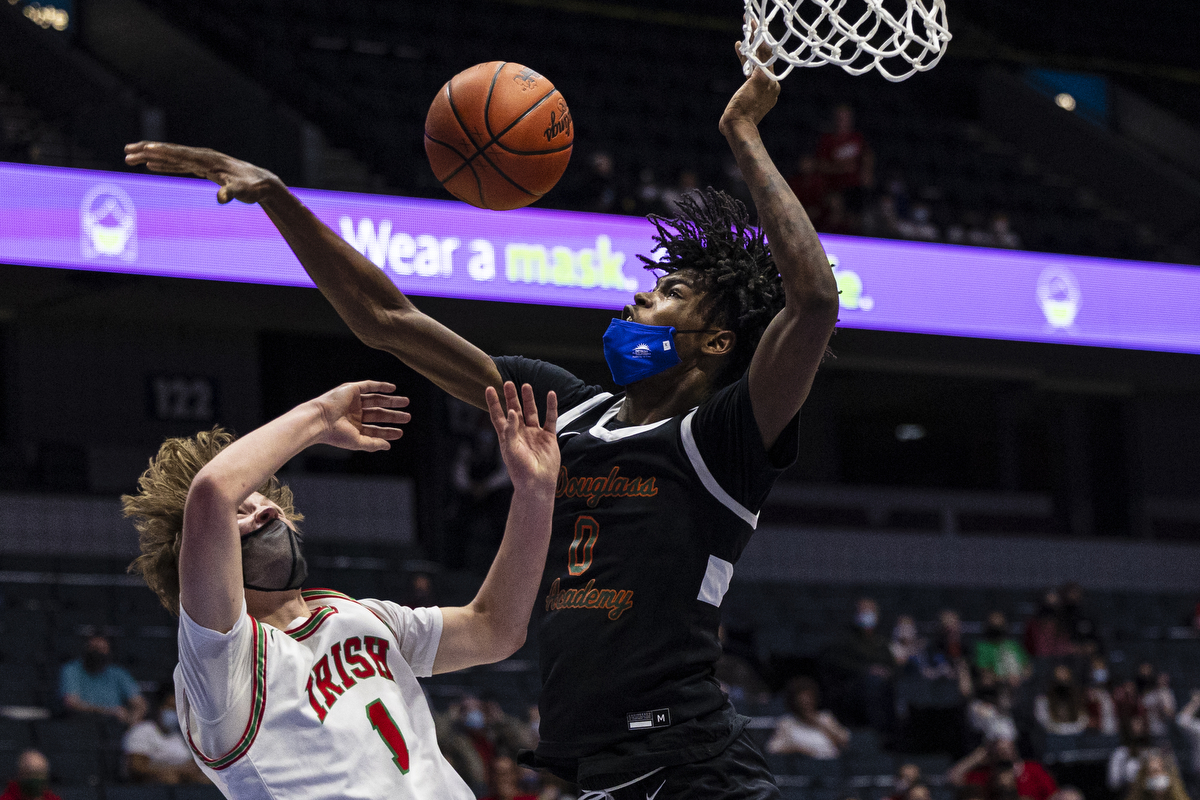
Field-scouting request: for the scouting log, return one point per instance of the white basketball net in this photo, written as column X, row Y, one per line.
column 809, row 33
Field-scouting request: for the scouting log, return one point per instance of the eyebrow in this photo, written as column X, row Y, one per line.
column 667, row 281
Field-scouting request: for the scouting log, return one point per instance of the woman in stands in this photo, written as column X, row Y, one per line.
column 284, row 693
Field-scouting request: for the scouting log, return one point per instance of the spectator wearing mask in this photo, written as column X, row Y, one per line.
column 1061, row 709
column 1157, row 780
column 805, row 729
column 1157, row 700
column 907, row 776
column 861, row 670
column 978, row 768
column 463, row 741
column 92, row 684
column 32, row 781
column 1126, row 761
column 1045, row 635
column 989, row 714
column 1102, row 710
column 1000, row 654
column 155, row 750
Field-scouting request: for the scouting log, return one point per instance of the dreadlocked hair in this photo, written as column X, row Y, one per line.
column 157, row 508
column 712, row 236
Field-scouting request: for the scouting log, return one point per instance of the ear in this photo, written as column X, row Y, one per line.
column 719, row 344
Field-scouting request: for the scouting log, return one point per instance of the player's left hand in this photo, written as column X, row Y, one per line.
column 360, row 416
column 754, row 98
column 530, row 450
column 239, row 180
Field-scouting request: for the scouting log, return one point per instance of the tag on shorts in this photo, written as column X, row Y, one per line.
column 645, row 720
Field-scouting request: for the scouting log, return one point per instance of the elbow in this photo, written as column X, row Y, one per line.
column 382, row 328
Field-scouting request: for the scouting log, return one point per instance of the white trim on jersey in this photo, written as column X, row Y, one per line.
column 706, row 477
column 567, row 417
column 603, row 434
column 716, row 581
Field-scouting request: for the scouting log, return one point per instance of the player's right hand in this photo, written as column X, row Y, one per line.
column 530, row 450
column 361, row 416
column 238, row 180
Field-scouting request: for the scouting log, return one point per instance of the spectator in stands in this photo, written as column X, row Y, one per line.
column 1044, row 633
column 919, row 225
column 918, row 791
column 483, row 494
column 944, row 657
column 506, row 781
column 978, row 768
column 1128, row 701
column 1157, row 780
column 1061, row 708
column 463, row 741
column 1003, row 784
column 861, row 670
column 420, row 593
column 1126, row 761
column 1079, row 626
column 32, row 781
column 907, row 647
column 92, row 684
column 1003, row 234
column 1157, row 700
column 846, row 160
column 508, row 734
column 907, row 776
column 1000, row 654
column 155, row 750
column 1102, row 711
column 805, row 729
column 989, row 714
column 688, row 181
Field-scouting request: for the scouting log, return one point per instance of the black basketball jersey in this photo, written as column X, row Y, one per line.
column 648, row 523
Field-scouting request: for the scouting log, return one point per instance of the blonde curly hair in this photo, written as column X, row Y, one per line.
column 157, row 508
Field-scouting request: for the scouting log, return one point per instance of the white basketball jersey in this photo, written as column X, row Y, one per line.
column 337, row 713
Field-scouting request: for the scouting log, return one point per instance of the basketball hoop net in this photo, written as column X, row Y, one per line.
column 809, row 33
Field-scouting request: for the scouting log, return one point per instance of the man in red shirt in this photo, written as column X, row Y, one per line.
column 33, row 779
column 846, row 160
column 979, row 768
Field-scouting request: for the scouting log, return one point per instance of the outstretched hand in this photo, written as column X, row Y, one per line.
column 238, row 180
column 358, row 415
column 754, row 98
column 530, row 450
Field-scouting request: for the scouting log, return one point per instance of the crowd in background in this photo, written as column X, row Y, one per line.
column 837, row 181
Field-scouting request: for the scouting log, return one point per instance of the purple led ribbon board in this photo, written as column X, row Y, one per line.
column 154, row 225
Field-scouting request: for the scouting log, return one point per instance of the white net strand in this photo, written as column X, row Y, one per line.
column 918, row 37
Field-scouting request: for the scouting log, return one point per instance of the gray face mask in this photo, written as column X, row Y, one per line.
column 272, row 560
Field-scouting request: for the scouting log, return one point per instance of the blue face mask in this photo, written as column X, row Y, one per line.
column 635, row 351
column 169, row 719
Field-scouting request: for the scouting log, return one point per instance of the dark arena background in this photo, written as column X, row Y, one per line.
column 992, row 532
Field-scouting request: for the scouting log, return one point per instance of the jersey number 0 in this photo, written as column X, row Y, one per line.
column 587, row 530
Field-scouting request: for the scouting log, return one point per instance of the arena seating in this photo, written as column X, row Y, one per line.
column 46, row 603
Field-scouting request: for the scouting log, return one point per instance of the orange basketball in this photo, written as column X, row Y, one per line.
column 498, row 135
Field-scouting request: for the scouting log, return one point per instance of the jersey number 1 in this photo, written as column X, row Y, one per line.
column 385, row 726
column 579, row 558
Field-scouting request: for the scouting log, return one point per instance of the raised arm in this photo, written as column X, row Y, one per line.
column 791, row 349
column 493, row 626
column 378, row 313
column 351, row 416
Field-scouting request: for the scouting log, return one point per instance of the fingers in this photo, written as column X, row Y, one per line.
column 531, row 412
column 513, row 403
column 378, row 432
column 495, row 410
column 375, row 386
column 387, row 416
column 551, row 413
column 383, row 401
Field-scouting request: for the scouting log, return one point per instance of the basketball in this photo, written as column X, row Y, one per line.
column 498, row 136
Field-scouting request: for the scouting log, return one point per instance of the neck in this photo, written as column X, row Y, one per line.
column 277, row 609
column 664, row 395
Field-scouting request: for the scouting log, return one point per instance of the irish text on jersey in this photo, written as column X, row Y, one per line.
column 352, row 660
column 615, row 601
column 596, row 487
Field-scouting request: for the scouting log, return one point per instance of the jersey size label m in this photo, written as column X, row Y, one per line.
column 644, row 720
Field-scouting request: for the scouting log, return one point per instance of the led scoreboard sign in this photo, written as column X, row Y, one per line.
column 155, row 225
